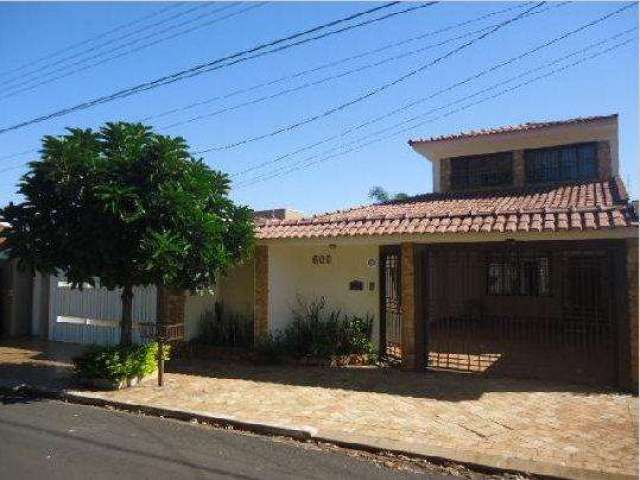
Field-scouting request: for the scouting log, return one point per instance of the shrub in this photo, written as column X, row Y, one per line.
column 117, row 363
column 225, row 330
column 316, row 331
column 271, row 347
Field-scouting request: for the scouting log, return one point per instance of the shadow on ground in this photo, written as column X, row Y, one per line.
column 48, row 365
column 432, row 384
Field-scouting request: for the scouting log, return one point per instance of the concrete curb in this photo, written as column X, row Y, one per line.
column 435, row 454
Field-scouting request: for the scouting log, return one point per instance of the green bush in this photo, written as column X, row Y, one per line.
column 117, row 363
column 271, row 347
column 318, row 332
column 220, row 329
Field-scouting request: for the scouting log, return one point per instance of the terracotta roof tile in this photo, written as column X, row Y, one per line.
column 580, row 206
column 513, row 128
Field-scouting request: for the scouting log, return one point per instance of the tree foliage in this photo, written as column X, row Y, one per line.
column 129, row 206
column 379, row 195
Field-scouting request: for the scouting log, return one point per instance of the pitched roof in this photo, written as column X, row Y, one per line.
column 594, row 205
column 514, row 128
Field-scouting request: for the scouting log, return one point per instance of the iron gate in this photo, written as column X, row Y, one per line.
column 391, row 302
column 530, row 310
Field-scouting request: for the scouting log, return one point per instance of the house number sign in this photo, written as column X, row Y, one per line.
column 321, row 259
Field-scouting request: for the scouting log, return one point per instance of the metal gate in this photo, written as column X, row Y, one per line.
column 391, row 302
column 92, row 315
column 528, row 310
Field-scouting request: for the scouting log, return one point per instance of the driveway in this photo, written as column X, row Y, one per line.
column 567, row 425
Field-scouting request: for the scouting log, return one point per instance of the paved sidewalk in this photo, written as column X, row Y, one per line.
column 525, row 420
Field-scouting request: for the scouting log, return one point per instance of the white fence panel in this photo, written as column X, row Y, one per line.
column 92, row 315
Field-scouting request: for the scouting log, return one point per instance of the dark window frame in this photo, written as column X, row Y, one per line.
column 481, row 171
column 562, row 163
column 510, row 275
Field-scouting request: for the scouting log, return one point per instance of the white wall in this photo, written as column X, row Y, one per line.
column 292, row 273
column 236, row 290
column 195, row 306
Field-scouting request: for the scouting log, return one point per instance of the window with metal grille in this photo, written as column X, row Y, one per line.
column 563, row 163
column 490, row 170
column 525, row 276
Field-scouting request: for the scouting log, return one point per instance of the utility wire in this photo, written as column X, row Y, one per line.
column 99, row 36
column 82, row 63
column 310, row 39
column 343, row 74
column 465, row 107
column 195, row 70
column 375, row 91
column 93, row 48
column 332, row 63
column 320, row 81
column 453, row 86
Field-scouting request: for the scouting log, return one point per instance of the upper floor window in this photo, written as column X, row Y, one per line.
column 558, row 164
column 490, row 170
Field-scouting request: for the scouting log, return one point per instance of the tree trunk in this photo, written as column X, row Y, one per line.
column 126, row 323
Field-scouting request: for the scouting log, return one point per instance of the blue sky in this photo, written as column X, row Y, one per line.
column 31, row 31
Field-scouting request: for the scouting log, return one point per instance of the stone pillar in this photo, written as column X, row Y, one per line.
column 413, row 355
column 519, row 172
column 632, row 308
column 261, row 293
column 604, row 160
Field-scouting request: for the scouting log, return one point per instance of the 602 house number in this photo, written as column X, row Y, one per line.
column 321, row 259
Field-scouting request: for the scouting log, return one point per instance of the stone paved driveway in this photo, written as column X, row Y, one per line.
column 567, row 425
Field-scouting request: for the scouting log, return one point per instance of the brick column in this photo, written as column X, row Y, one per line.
column 632, row 308
column 413, row 355
column 171, row 303
column 519, row 174
column 261, row 293
column 604, row 160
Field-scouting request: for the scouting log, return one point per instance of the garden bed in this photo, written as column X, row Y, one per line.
column 116, row 367
column 244, row 355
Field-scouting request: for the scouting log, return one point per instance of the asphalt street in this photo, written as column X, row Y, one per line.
column 45, row 439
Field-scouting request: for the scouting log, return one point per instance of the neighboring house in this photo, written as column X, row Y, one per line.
column 91, row 315
column 15, row 296
column 522, row 262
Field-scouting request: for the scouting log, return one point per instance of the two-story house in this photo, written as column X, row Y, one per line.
column 523, row 261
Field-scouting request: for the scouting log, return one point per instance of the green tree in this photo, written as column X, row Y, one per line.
column 130, row 207
column 380, row 195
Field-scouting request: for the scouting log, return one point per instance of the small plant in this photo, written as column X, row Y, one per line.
column 318, row 332
column 271, row 347
column 118, row 363
column 220, row 329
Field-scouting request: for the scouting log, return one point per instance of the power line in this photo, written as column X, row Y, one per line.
column 93, row 48
column 92, row 39
column 451, row 87
column 314, row 83
column 306, row 40
column 375, row 91
column 343, row 74
column 496, row 66
column 198, row 69
column 465, row 107
column 283, row 170
column 488, row 89
column 83, row 62
column 333, row 63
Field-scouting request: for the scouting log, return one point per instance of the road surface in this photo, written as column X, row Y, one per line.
column 45, row 439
